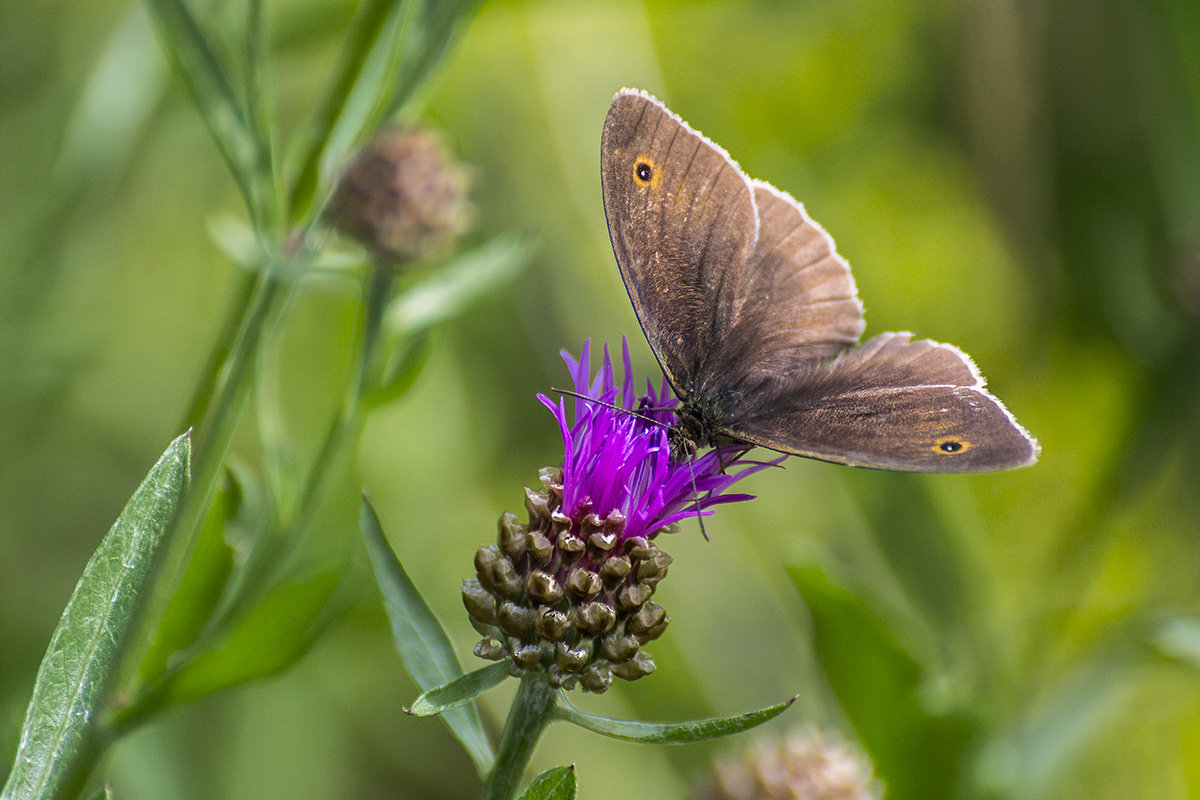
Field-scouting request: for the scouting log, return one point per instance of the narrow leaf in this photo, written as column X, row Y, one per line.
column 245, row 151
column 453, row 286
column 371, row 23
column 669, row 732
column 918, row 753
column 59, row 736
column 403, row 367
column 557, row 783
column 1178, row 638
column 117, row 101
column 265, row 641
column 426, row 45
column 420, row 639
column 190, row 607
column 462, row 689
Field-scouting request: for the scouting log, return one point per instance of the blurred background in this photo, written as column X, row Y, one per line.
column 1018, row 177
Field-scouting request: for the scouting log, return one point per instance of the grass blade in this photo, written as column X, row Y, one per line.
column 880, row 684
column 392, row 48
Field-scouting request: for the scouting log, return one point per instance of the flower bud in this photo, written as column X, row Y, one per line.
column 402, row 196
column 807, row 765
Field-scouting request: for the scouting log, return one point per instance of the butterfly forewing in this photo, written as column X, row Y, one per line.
column 682, row 222
column 795, row 300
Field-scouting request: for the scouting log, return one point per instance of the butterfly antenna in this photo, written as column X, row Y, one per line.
column 631, row 413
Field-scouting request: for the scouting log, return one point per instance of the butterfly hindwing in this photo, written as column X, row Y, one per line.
column 894, row 403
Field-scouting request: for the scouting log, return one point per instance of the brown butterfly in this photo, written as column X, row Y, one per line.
column 754, row 318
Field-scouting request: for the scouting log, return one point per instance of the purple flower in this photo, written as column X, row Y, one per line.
column 569, row 592
column 617, row 456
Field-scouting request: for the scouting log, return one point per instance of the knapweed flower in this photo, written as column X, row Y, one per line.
column 569, row 591
column 402, row 196
column 806, row 765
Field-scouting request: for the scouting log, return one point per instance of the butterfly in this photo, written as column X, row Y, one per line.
column 755, row 318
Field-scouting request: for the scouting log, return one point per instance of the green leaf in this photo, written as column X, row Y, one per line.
column 118, row 100
column 60, row 736
column 668, row 732
column 264, row 641
column 245, row 150
column 426, row 45
column 926, row 557
column 462, row 689
column 450, row 288
column 404, row 366
column 1029, row 757
column 1178, row 638
column 372, row 23
column 557, row 783
column 879, row 684
column 208, row 570
column 421, row 640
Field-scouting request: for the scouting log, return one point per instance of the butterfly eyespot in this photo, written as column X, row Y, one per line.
column 951, row 445
column 643, row 171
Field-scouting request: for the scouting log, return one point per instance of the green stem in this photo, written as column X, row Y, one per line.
column 527, row 718
column 271, row 554
column 213, row 438
column 203, row 397
column 347, row 425
column 215, row 435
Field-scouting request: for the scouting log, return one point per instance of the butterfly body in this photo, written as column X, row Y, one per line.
column 754, row 318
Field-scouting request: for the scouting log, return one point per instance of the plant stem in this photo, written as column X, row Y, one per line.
column 347, row 425
column 213, row 439
column 528, row 716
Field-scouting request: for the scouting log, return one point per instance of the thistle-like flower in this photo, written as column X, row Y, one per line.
column 402, row 196
column 806, row 765
column 569, row 591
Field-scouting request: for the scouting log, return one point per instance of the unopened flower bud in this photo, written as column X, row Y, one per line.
column 639, row 666
column 514, row 620
column 402, row 196
column 512, row 536
column 479, row 602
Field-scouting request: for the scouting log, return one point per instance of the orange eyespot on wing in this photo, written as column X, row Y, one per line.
column 646, row 173
column 951, row 445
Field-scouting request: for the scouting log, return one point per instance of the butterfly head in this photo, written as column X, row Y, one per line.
column 698, row 423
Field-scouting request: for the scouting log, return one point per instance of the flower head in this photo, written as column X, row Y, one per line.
column 569, row 591
column 806, row 765
column 402, row 196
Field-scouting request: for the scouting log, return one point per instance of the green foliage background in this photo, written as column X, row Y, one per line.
column 1019, row 178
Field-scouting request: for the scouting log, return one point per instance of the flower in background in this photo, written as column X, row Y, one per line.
column 569, row 592
column 402, row 196
column 806, row 765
